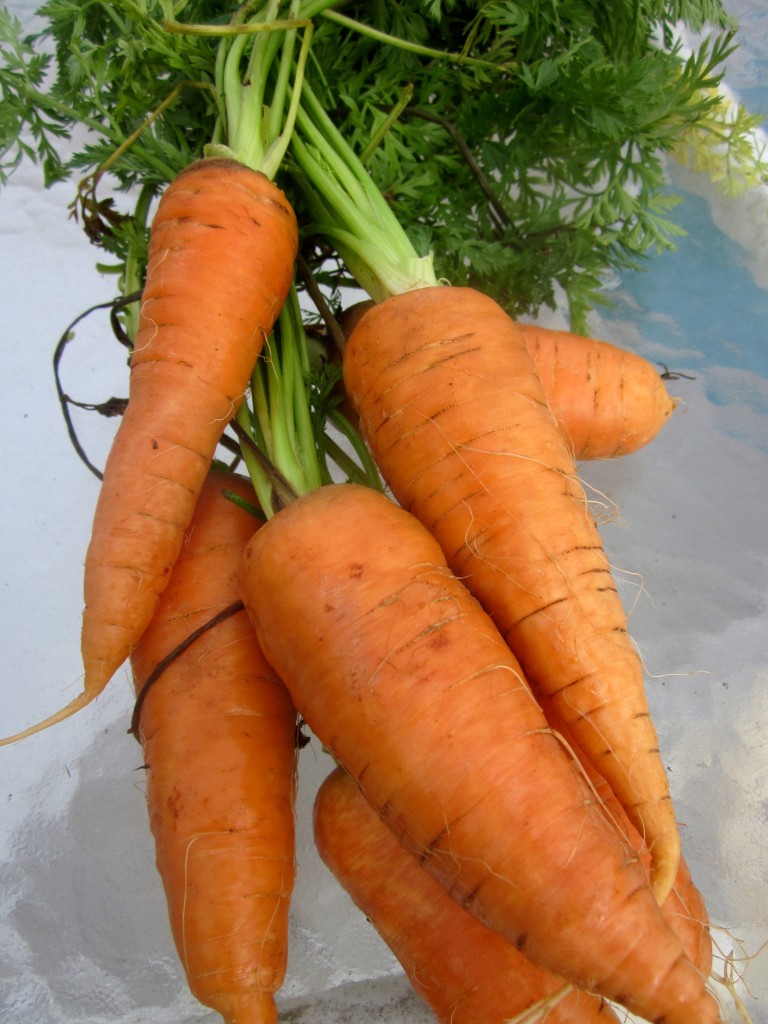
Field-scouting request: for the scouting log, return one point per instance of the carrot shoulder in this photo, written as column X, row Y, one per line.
column 464, row 972
column 218, row 733
column 399, row 671
column 607, row 400
column 459, row 424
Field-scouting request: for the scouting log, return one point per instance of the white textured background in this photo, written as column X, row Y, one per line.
column 83, row 931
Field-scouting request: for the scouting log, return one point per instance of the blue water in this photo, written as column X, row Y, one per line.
column 703, row 296
column 702, row 300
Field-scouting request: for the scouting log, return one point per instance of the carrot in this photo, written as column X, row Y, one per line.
column 221, row 255
column 218, row 733
column 607, row 401
column 686, row 912
column 402, row 675
column 684, row 907
column 464, row 972
column 458, row 422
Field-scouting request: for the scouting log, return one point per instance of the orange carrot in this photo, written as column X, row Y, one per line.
column 402, row 675
column 459, row 424
column 684, row 907
column 608, row 401
column 464, row 972
column 220, row 265
column 218, row 733
column 686, row 912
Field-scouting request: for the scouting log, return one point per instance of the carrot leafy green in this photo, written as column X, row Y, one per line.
column 529, row 146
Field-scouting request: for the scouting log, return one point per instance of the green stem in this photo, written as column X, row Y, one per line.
column 67, row 113
column 351, row 470
column 261, row 423
column 370, row 471
column 282, row 450
column 254, row 128
column 285, row 68
column 232, row 91
column 133, row 273
column 376, row 139
column 350, row 208
column 403, row 44
column 46, row 102
column 279, row 146
column 280, row 421
column 262, row 484
column 297, row 373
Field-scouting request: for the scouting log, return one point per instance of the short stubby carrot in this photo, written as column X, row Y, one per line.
column 218, row 732
column 220, row 265
column 458, row 422
column 608, row 401
column 463, row 971
column 405, row 679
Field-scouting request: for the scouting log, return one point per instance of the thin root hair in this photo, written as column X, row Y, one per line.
column 733, row 975
column 666, row 675
column 539, row 1011
column 607, row 813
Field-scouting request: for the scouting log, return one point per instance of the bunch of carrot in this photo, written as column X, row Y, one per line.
column 500, row 811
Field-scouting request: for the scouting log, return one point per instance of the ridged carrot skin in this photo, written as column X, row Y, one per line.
column 458, row 422
column 686, row 911
column 464, row 972
column 607, row 400
column 684, row 908
column 402, row 675
column 218, row 733
column 221, row 256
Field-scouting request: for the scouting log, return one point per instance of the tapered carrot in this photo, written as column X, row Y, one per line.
column 686, row 911
column 684, row 907
column 607, row 400
column 464, row 972
column 459, row 424
column 403, row 676
column 218, row 733
column 221, row 254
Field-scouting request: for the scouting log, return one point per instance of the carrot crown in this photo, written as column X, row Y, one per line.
column 350, row 210
column 255, row 61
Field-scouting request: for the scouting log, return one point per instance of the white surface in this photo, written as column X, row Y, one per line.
column 83, row 932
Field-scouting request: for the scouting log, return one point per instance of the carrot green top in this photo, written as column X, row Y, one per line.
column 350, row 209
column 529, row 154
column 255, row 67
